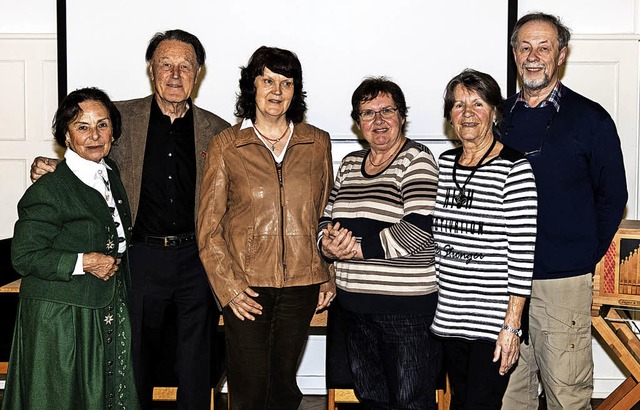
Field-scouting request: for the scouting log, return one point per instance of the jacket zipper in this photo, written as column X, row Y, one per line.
column 284, row 261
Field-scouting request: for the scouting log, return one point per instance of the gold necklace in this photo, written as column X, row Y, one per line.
column 272, row 140
column 388, row 158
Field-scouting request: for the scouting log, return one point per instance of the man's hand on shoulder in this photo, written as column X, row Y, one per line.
column 41, row 166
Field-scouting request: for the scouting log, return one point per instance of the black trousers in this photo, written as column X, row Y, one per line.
column 166, row 283
column 474, row 378
column 263, row 355
column 394, row 360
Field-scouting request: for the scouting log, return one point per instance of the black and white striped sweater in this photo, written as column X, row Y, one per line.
column 485, row 247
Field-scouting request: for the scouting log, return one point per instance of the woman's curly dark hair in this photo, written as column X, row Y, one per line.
column 69, row 110
column 283, row 62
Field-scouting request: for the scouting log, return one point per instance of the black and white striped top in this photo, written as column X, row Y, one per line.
column 390, row 213
column 485, row 247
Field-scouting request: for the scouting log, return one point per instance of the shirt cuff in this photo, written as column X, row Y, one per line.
column 78, row 268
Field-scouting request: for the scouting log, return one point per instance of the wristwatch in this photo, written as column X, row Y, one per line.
column 517, row 332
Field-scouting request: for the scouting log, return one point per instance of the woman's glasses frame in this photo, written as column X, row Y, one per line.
column 386, row 113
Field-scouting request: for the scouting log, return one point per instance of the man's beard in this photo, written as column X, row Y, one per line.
column 536, row 84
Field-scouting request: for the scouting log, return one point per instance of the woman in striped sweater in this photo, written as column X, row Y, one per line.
column 485, row 228
column 377, row 229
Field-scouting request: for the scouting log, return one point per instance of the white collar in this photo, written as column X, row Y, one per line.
column 87, row 171
column 246, row 123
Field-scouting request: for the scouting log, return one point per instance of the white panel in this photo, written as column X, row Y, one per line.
column 11, row 190
column 33, row 16
column 587, row 16
column 12, row 115
column 607, row 373
column 313, row 360
column 28, row 66
column 420, row 45
column 49, row 96
column 582, row 75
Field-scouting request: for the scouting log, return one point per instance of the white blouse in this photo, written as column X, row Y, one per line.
column 94, row 174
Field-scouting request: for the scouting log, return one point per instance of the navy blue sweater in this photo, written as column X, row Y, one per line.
column 580, row 179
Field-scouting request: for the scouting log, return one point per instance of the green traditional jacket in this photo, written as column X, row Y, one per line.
column 59, row 217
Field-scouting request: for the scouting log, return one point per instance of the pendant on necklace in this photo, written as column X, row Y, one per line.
column 273, row 147
column 460, row 198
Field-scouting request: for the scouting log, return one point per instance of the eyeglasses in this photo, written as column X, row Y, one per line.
column 387, row 113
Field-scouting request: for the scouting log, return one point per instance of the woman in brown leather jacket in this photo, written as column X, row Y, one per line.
column 265, row 185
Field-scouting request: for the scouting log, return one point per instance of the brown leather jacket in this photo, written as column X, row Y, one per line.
column 257, row 223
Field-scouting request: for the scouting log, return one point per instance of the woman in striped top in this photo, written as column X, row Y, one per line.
column 377, row 229
column 485, row 228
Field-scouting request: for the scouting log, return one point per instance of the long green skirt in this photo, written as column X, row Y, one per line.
column 69, row 357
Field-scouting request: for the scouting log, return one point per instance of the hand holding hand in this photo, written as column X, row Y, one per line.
column 339, row 243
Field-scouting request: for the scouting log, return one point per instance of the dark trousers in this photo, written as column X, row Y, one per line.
column 394, row 360
column 263, row 355
column 474, row 378
column 171, row 281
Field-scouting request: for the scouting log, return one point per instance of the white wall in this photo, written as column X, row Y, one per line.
column 338, row 42
column 27, row 16
column 589, row 16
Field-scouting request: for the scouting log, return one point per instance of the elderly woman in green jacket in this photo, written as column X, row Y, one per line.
column 71, row 346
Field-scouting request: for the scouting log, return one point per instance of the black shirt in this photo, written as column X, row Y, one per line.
column 167, row 195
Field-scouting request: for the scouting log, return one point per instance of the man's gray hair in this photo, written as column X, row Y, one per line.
column 564, row 34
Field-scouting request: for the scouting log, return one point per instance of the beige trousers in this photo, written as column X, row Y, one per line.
column 559, row 351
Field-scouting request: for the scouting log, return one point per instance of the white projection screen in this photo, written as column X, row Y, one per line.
column 418, row 44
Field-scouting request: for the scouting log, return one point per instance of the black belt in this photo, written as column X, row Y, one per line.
column 169, row 240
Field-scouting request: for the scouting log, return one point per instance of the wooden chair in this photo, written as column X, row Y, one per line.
column 348, row 396
column 337, row 396
column 171, row 394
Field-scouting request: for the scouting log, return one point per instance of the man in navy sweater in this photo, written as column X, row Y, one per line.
column 574, row 149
